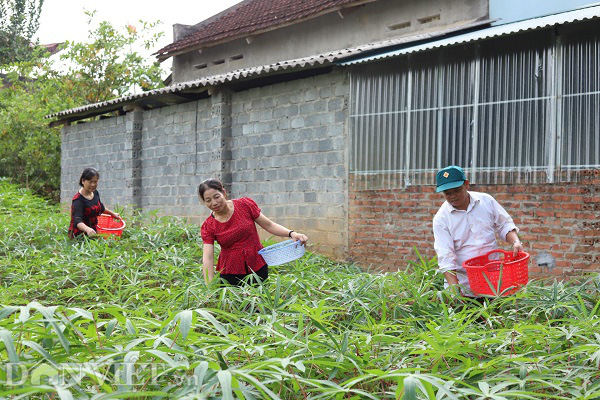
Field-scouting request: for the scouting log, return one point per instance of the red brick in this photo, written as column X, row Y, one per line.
column 565, row 214
column 567, row 240
column 531, row 205
column 571, row 206
column 586, row 233
column 583, row 265
column 540, row 230
column 545, row 214
column 572, row 256
column 535, row 269
column 557, row 271
column 562, row 198
column 577, row 189
column 560, row 231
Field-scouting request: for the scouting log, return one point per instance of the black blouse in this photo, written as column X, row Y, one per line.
column 86, row 211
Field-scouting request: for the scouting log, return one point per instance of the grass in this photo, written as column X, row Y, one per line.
column 133, row 318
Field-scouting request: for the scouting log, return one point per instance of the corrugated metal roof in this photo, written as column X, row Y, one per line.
column 493, row 32
column 299, row 63
column 212, row 80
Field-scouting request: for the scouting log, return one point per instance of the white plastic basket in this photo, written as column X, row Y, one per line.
column 282, row 253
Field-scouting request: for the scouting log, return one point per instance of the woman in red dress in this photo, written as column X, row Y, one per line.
column 232, row 225
column 86, row 205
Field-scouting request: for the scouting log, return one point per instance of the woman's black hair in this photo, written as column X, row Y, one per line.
column 210, row 184
column 88, row 174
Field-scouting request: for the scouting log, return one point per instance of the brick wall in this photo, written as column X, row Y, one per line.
column 560, row 219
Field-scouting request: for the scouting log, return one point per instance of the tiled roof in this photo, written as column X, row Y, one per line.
column 254, row 16
column 53, row 48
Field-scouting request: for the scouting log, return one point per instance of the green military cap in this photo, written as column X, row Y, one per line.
column 449, row 178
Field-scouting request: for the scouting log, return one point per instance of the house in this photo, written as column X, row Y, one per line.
column 334, row 116
column 262, row 32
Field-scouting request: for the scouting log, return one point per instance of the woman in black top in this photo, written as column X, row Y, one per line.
column 86, row 205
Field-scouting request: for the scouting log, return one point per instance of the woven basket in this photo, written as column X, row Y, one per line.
column 514, row 273
column 282, row 253
column 108, row 225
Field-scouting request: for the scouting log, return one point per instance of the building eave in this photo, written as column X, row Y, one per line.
column 199, row 88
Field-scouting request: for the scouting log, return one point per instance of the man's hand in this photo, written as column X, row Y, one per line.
column 517, row 247
column 513, row 238
column 451, row 278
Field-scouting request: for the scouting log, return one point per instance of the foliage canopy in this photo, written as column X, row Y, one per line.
column 106, row 67
column 19, row 21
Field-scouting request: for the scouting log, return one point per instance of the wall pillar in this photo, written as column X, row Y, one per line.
column 133, row 156
column 221, row 137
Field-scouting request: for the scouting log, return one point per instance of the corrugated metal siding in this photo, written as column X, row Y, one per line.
column 517, row 111
column 579, row 106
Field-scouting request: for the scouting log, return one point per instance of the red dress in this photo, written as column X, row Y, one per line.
column 237, row 237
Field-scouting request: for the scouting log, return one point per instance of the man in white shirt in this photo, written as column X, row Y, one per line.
column 466, row 226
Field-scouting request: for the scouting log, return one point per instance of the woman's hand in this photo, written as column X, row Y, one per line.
column 90, row 232
column 113, row 214
column 298, row 236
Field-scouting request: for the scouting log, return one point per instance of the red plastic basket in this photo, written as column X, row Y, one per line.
column 109, row 225
column 514, row 273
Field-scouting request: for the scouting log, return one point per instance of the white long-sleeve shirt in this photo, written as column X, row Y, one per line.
column 460, row 235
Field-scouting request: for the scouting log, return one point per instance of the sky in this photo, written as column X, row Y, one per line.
column 63, row 20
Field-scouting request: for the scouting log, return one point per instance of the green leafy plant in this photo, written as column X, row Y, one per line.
column 133, row 318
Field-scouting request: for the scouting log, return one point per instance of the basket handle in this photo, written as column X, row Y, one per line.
column 508, row 255
column 108, row 215
column 493, row 266
column 504, row 252
column 120, row 219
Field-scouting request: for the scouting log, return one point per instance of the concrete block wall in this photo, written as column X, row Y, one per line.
column 169, row 158
column 285, row 145
column 288, row 151
column 559, row 219
column 105, row 145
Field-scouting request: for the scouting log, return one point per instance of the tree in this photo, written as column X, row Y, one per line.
column 105, row 68
column 108, row 66
column 19, row 21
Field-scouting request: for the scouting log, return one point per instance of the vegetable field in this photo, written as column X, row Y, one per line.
column 132, row 318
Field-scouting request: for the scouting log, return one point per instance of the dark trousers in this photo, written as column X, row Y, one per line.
column 239, row 279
